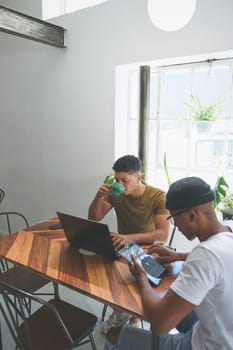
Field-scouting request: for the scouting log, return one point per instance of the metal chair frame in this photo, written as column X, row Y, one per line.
column 7, row 214
column 7, row 272
column 172, row 236
column 2, row 195
column 4, row 264
column 21, row 331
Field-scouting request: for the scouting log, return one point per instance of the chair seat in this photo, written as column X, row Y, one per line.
column 24, row 279
column 47, row 334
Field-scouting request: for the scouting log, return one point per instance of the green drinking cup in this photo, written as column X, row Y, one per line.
column 117, row 189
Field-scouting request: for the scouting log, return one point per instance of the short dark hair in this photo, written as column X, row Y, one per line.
column 128, row 164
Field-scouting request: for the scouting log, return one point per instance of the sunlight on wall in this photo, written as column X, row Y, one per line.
column 56, row 8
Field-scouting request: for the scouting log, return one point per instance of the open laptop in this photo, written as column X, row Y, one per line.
column 95, row 237
column 89, row 235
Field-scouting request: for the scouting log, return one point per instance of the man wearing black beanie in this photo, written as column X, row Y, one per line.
column 204, row 284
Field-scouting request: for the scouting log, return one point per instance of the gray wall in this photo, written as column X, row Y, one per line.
column 31, row 8
column 57, row 105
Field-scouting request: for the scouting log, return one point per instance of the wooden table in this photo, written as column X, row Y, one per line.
column 48, row 253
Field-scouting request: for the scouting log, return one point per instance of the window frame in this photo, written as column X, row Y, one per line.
column 159, row 69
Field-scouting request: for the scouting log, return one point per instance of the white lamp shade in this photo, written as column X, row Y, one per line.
column 171, row 15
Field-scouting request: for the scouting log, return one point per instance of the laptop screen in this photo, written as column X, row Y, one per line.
column 87, row 234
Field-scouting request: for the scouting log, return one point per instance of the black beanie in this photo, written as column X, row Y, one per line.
column 187, row 193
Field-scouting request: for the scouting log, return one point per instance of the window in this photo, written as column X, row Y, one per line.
column 189, row 151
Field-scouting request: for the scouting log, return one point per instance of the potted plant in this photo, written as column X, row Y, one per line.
column 223, row 198
column 202, row 115
column 226, row 206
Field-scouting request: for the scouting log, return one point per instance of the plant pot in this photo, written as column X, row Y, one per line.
column 204, row 126
column 227, row 212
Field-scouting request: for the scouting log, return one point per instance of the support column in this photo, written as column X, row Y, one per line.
column 144, row 102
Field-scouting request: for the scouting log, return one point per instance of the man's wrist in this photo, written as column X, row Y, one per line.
column 181, row 256
column 142, row 282
column 99, row 196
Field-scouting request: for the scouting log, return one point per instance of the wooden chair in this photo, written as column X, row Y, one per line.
column 17, row 276
column 54, row 324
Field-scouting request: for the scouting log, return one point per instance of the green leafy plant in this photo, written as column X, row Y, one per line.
column 199, row 112
column 228, row 201
column 223, row 194
column 166, row 169
column 143, row 178
column 220, row 191
column 109, row 179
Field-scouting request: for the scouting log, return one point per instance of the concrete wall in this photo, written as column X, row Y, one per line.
column 57, row 105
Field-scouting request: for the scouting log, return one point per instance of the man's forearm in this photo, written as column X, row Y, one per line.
column 149, row 297
column 95, row 209
column 149, row 237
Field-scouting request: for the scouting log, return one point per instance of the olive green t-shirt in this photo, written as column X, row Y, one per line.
column 136, row 214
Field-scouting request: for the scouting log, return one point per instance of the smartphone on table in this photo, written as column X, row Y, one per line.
column 153, row 268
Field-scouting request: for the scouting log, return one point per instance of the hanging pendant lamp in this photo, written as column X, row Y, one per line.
column 171, row 15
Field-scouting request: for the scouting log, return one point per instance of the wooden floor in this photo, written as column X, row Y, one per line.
column 77, row 299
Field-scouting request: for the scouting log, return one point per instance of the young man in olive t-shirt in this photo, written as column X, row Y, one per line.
column 140, row 210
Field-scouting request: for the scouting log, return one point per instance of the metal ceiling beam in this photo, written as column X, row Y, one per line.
column 32, row 28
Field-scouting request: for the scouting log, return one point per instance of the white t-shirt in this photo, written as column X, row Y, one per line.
column 206, row 280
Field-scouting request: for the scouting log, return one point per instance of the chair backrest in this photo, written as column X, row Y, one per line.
column 12, row 221
column 2, row 195
column 17, row 315
column 177, row 240
column 171, row 234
